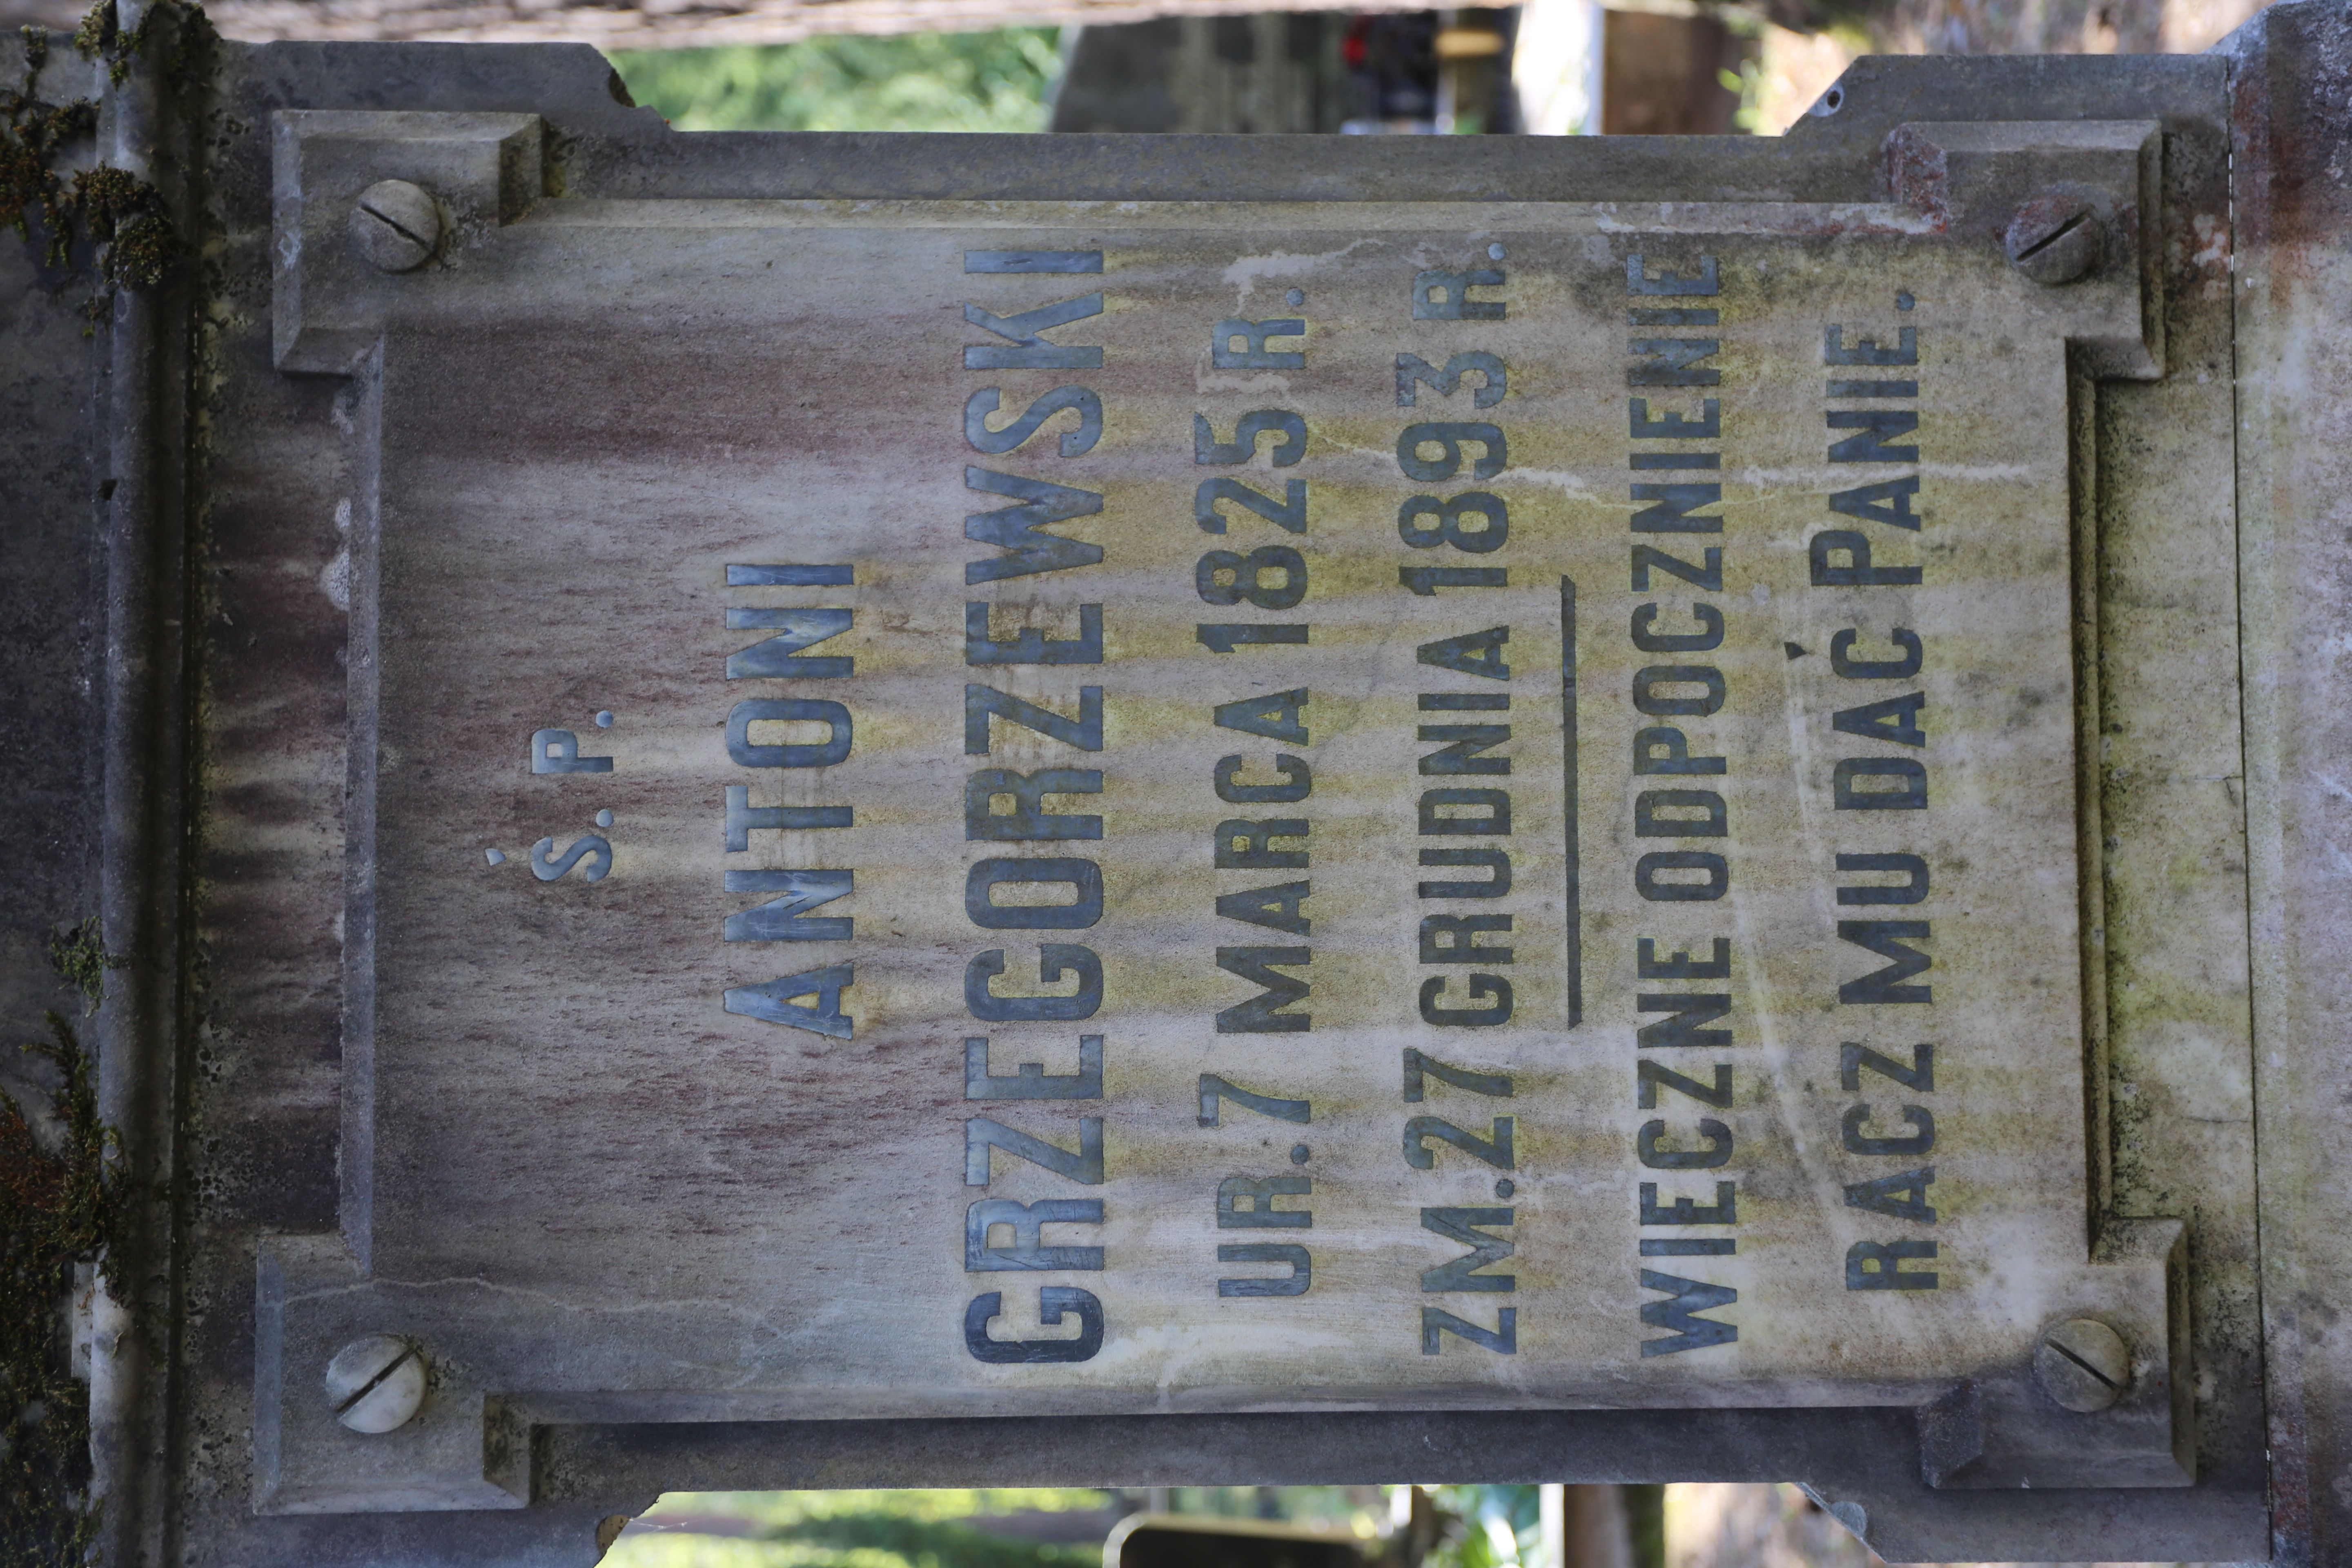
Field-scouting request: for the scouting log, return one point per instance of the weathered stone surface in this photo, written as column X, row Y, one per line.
column 573, row 557
column 1689, row 674
column 2291, row 305
column 644, row 1240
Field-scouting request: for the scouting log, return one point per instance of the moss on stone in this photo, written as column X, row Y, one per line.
column 58, row 1205
column 80, row 956
column 119, row 215
column 101, row 37
column 97, row 30
column 31, row 134
column 125, row 215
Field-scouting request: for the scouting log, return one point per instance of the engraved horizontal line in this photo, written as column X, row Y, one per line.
column 1813, row 221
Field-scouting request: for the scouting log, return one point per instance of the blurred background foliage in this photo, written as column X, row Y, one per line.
column 998, row 81
column 1479, row 1526
column 941, row 1529
column 1493, row 1526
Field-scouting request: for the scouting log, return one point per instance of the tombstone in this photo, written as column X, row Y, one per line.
column 822, row 811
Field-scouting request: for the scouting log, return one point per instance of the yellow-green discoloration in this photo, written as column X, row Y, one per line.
column 812, row 410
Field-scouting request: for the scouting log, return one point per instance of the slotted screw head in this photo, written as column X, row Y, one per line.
column 2054, row 239
column 2083, row 1365
column 396, row 225
column 376, row 1384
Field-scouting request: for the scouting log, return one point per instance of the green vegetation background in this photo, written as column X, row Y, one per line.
column 1480, row 1526
column 1000, row 80
column 855, row 1530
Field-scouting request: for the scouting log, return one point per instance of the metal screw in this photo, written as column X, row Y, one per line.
column 396, row 226
column 2083, row 1365
column 2054, row 239
column 376, row 1384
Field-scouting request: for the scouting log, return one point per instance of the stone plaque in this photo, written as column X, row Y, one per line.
column 1105, row 808
column 1283, row 755
column 863, row 811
